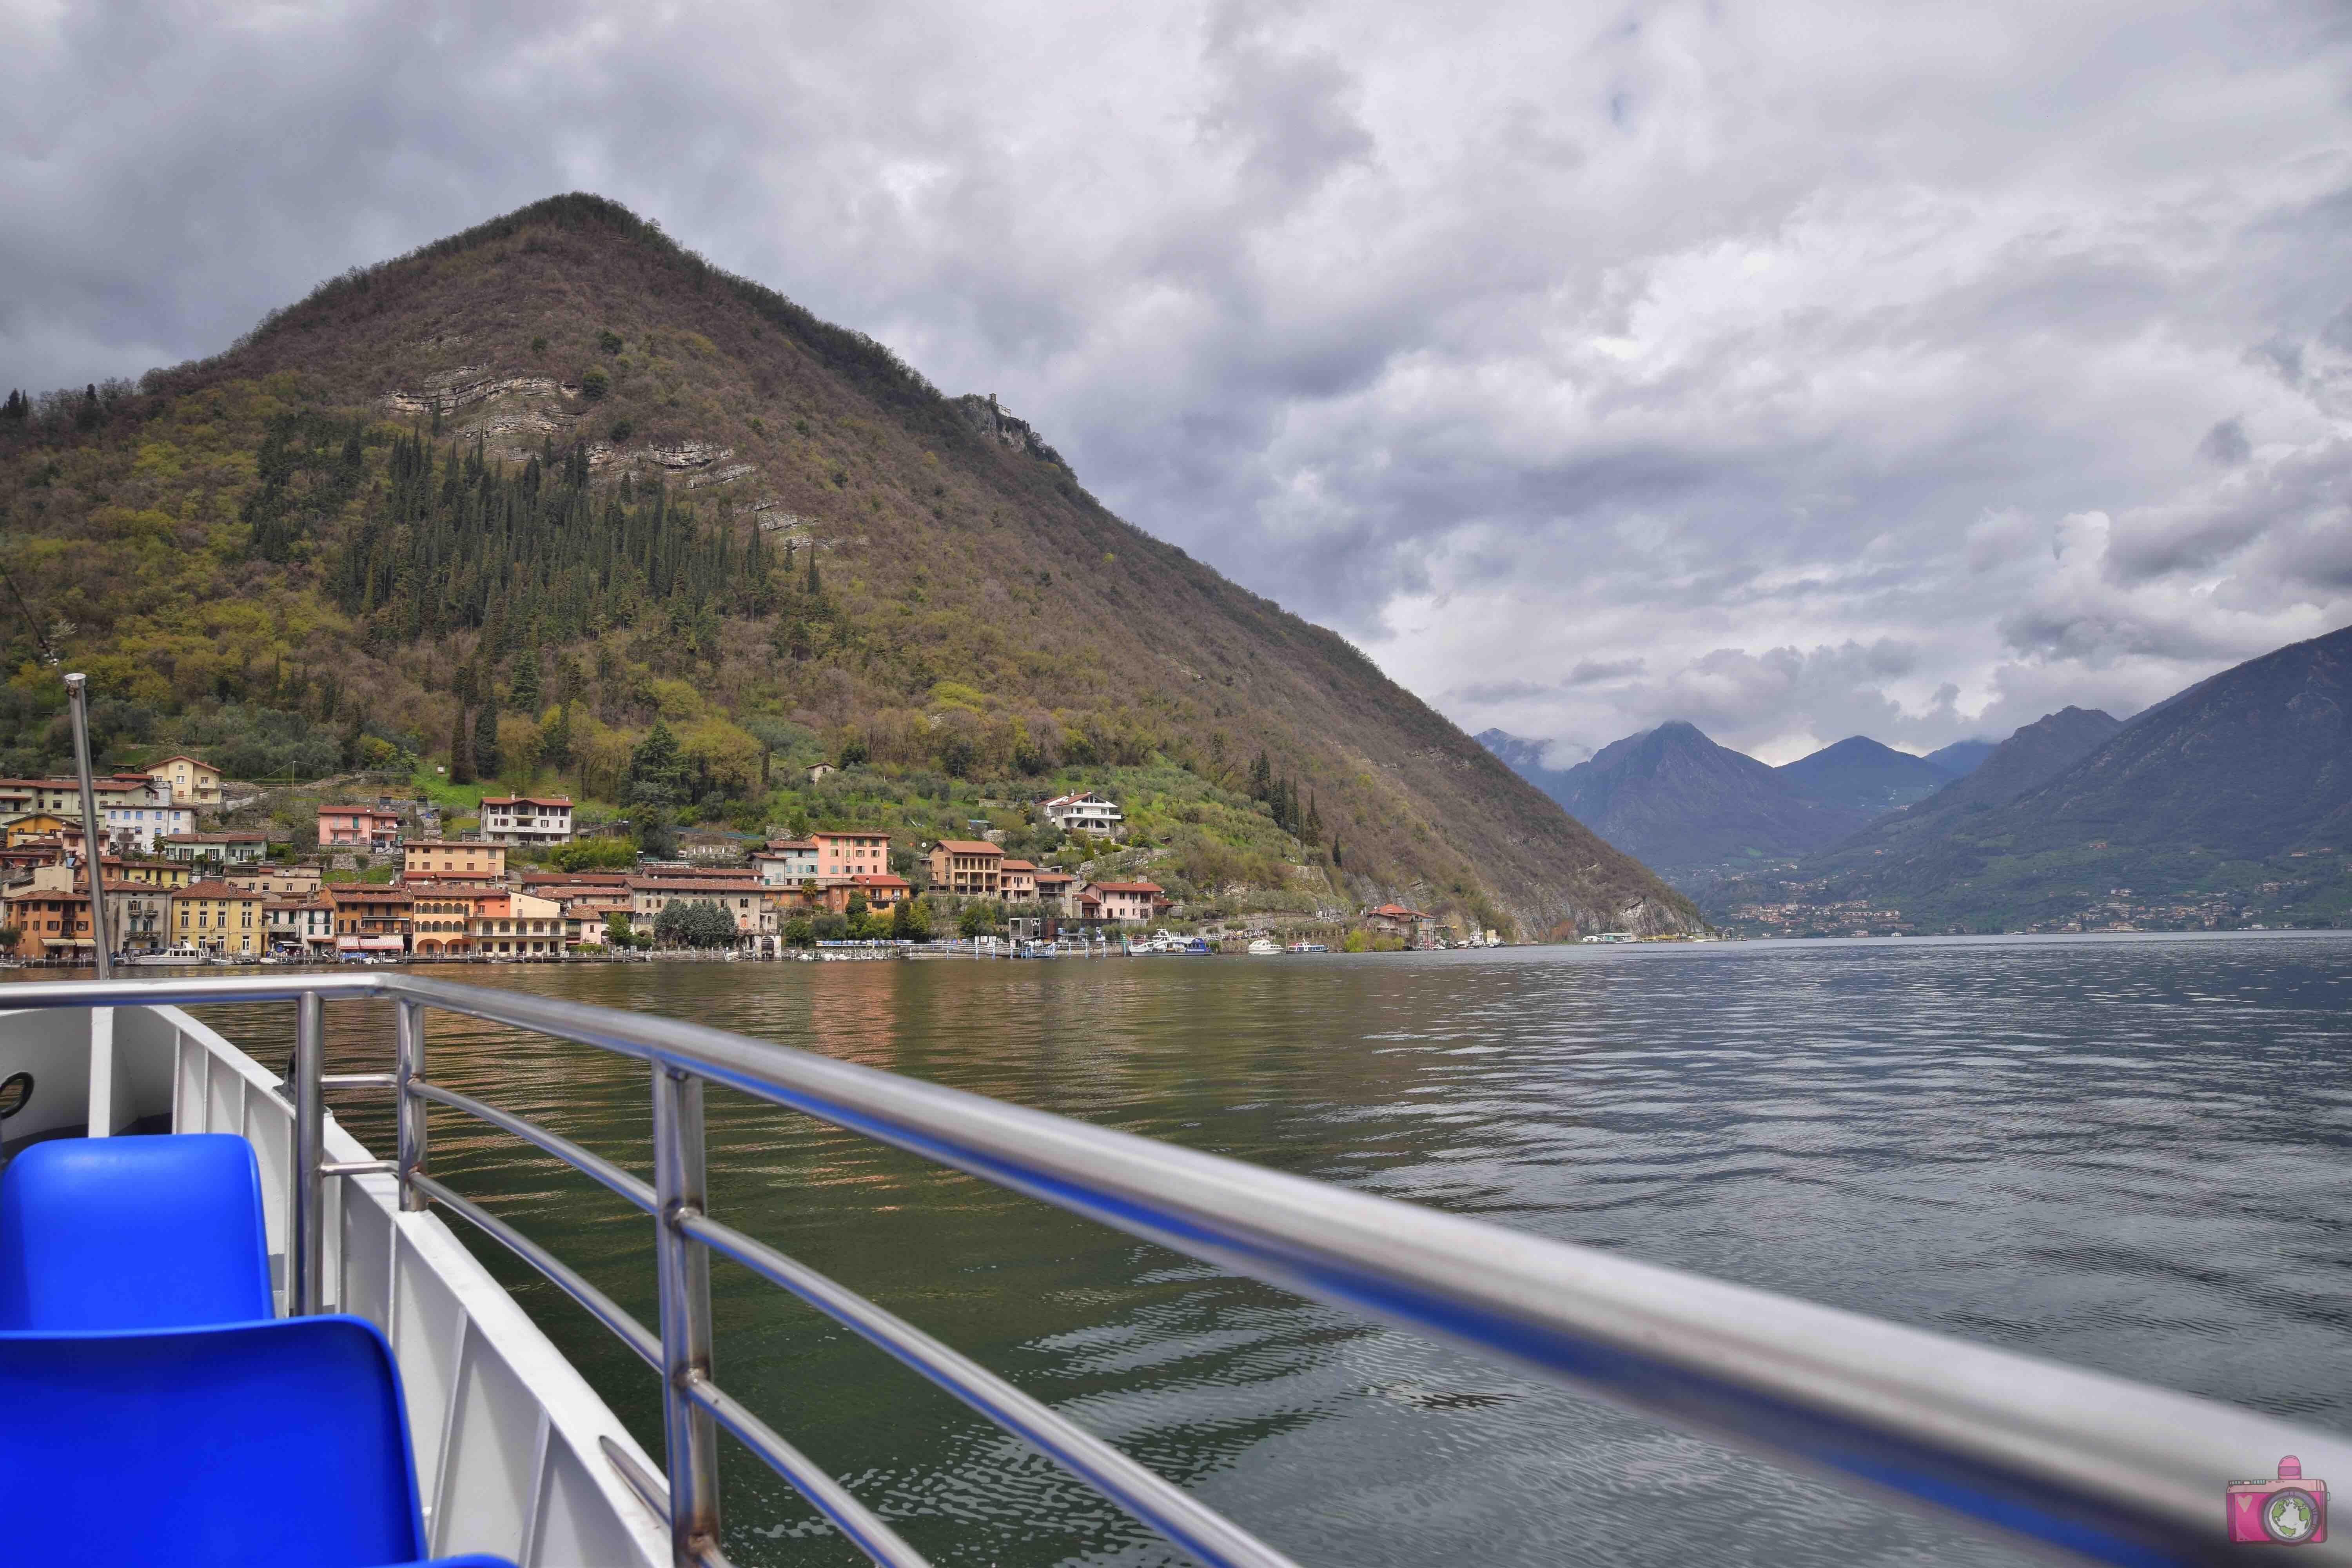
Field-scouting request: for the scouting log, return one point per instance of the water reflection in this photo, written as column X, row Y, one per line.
column 2076, row 1149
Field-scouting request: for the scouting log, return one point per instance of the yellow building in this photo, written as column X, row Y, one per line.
column 214, row 916
column 194, row 781
column 39, row 825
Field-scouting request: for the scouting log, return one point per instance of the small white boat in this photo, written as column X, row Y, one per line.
column 183, row 953
column 1265, row 947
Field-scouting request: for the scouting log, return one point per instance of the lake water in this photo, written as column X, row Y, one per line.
column 2124, row 1152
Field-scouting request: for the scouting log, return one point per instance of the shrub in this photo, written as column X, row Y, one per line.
column 595, row 383
column 800, row 932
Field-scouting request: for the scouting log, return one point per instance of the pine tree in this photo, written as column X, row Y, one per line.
column 86, row 418
column 461, row 751
column 1314, row 834
column 18, row 408
column 524, row 695
column 486, row 737
column 555, row 746
column 813, row 588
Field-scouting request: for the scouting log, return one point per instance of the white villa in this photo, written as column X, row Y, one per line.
column 527, row 819
column 1085, row 812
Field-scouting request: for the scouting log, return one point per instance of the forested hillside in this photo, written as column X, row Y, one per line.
column 536, row 497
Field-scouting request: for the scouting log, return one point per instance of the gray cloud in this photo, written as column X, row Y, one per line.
column 1587, row 367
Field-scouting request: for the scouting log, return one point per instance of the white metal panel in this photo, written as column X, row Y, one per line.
column 488, row 1480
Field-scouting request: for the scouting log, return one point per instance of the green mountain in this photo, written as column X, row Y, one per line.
column 557, row 501
column 2227, row 805
column 1859, row 774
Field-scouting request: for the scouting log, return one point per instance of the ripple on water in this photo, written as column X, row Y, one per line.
column 2125, row 1155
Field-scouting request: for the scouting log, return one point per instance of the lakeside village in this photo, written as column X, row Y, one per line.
column 384, row 886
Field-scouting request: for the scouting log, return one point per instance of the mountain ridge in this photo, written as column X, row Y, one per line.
column 743, row 516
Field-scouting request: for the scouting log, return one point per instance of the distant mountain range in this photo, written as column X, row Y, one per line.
column 1676, row 800
column 2229, row 803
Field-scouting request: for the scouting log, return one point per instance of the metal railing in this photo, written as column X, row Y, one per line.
column 2089, row 1464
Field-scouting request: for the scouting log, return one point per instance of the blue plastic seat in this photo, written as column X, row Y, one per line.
column 132, row 1233
column 271, row 1442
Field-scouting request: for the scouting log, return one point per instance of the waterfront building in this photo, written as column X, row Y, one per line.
column 845, row 852
column 1129, row 903
column 295, row 880
column 786, row 862
column 370, row 919
column 1019, row 880
column 216, row 918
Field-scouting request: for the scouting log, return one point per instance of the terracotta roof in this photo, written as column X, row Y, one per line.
column 180, row 757
column 452, row 844
column 1045, row 877
column 214, row 839
column 850, row 833
column 1018, row 866
column 970, row 846
column 1398, row 911
column 345, row 892
column 1130, row 887
column 880, row 879
column 562, row 800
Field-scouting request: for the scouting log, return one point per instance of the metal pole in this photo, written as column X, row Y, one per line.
column 306, row 1234
column 682, row 1275
column 409, row 1071
column 93, row 837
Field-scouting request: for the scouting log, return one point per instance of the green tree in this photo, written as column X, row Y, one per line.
column 555, row 743
column 708, row 924
column 617, row 925
column 461, row 751
column 656, row 768
column 910, row 920
column 977, row 918
column 523, row 696
column 656, row 832
column 486, row 739
column 669, row 925
column 830, row 927
column 800, row 932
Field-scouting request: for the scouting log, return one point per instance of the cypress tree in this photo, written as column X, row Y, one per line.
column 461, row 751
column 486, row 737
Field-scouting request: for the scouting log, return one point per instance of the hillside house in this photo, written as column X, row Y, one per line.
column 526, row 820
column 228, row 848
column 297, row 879
column 194, row 781
column 441, row 916
column 358, row 827
column 1085, row 812
column 711, row 845
column 445, row 859
column 226, row 922
column 1020, row 880
column 968, row 868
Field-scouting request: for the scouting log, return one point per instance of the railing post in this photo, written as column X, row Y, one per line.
column 407, row 1072
column 306, row 1234
column 682, row 1273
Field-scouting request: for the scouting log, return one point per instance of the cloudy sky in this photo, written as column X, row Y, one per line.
column 1799, row 369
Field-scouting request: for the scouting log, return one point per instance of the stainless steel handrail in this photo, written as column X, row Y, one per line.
column 2094, row 1465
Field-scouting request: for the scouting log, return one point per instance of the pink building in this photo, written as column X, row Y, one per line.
column 358, row 827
